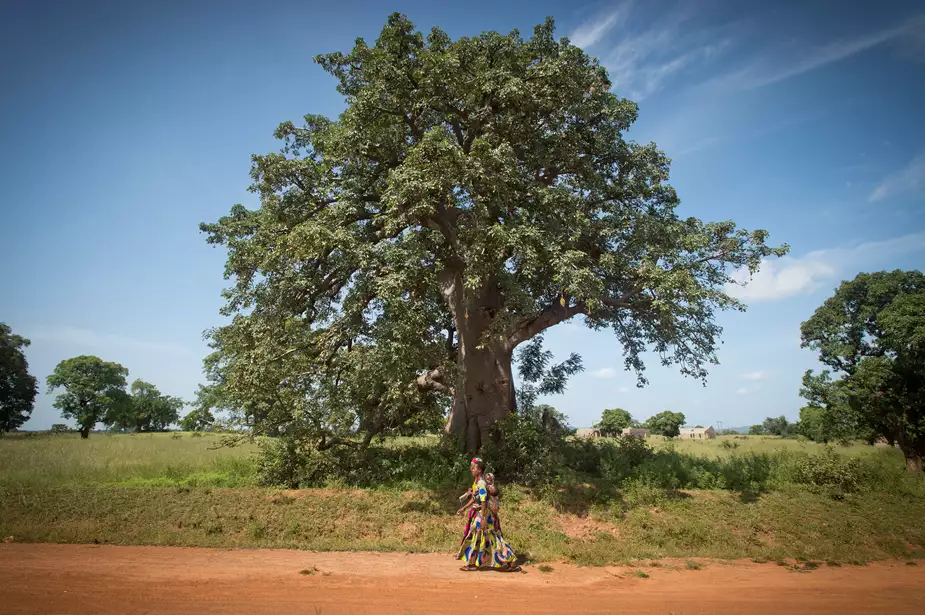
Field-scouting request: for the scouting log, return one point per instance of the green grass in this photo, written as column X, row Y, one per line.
column 156, row 460
column 777, row 526
column 761, row 444
column 159, row 490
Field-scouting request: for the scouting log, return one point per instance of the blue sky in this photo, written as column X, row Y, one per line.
column 122, row 127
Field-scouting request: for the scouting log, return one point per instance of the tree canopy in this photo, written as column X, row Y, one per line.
column 473, row 193
column 871, row 334
column 147, row 409
column 18, row 387
column 92, row 389
column 614, row 421
column 666, row 423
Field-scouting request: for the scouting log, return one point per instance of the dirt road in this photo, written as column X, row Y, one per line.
column 105, row 580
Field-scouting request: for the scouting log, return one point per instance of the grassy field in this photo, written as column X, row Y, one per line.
column 161, row 459
column 164, row 490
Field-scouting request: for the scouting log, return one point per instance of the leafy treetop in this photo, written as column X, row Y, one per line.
column 473, row 194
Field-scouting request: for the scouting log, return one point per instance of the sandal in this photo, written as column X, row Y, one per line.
column 469, row 568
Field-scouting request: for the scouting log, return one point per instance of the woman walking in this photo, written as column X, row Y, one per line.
column 482, row 545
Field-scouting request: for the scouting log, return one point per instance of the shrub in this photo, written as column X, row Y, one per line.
column 828, row 469
column 527, row 453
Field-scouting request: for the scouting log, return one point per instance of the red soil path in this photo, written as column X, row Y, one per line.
column 106, row 580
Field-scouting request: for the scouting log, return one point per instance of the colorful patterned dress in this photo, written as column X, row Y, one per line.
column 484, row 546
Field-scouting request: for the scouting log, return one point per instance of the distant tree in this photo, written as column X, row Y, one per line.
column 756, row 430
column 197, row 419
column 92, row 389
column 666, row 423
column 147, row 409
column 614, row 421
column 59, row 428
column 17, row 387
column 776, row 426
column 871, row 333
column 729, row 432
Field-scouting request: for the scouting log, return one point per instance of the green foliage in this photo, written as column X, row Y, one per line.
column 473, row 193
column 92, row 389
column 197, row 419
column 871, row 333
column 59, row 428
column 18, row 388
column 528, row 453
column 614, row 421
column 666, row 423
column 829, row 469
column 773, row 426
column 147, row 409
column 281, row 462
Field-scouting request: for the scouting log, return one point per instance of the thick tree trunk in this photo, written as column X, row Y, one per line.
column 484, row 396
column 85, row 431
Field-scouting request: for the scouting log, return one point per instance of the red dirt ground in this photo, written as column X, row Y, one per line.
column 106, row 580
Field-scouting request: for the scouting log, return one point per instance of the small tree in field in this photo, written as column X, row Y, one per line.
column 666, row 423
column 197, row 419
column 614, row 421
column 18, row 388
column 92, row 389
column 473, row 194
column 871, row 333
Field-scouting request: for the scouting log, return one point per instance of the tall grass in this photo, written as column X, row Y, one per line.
column 156, row 459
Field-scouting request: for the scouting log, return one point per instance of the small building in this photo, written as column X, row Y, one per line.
column 635, row 431
column 698, row 433
column 587, row 433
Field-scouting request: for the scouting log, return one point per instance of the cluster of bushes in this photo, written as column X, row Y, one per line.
column 533, row 456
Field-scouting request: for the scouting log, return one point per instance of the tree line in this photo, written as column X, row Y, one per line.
column 615, row 420
column 90, row 391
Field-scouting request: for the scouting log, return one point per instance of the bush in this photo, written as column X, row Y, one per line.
column 527, row 453
column 829, row 469
column 288, row 463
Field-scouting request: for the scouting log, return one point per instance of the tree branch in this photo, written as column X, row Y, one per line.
column 550, row 316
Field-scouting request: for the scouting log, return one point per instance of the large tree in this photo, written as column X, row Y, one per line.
column 17, row 386
column 666, row 423
column 871, row 334
column 473, row 194
column 614, row 421
column 93, row 388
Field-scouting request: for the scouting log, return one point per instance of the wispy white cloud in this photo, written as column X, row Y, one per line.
column 624, row 389
column 754, row 376
column 642, row 50
column 743, row 391
column 769, row 69
column 787, row 277
column 87, row 338
column 908, row 181
column 591, row 32
column 605, row 373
